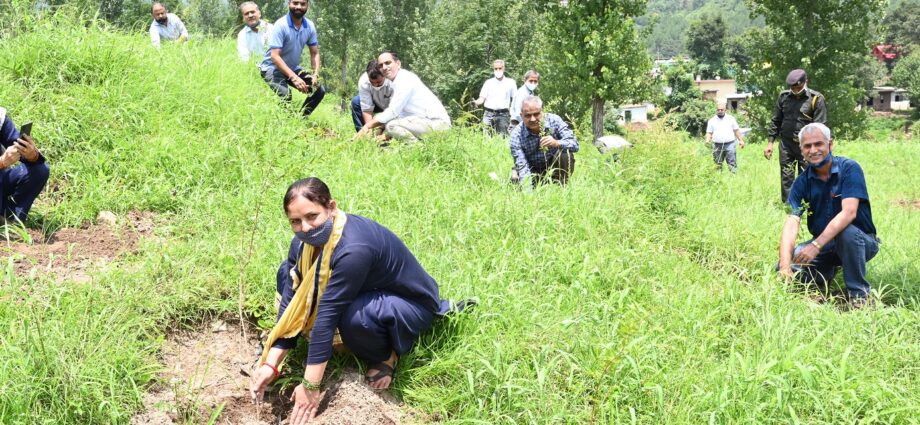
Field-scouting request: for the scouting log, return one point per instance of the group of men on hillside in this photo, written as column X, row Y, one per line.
column 393, row 103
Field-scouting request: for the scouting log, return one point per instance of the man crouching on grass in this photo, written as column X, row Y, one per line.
column 19, row 184
column 833, row 190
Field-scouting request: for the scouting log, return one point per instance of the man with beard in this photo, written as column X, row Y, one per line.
column 413, row 111
column 253, row 38
column 794, row 109
column 722, row 130
column 166, row 26
column 832, row 190
column 280, row 65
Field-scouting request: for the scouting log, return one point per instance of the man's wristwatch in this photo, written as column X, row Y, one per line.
column 816, row 244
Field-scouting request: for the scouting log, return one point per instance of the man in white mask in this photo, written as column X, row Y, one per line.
column 531, row 80
column 496, row 95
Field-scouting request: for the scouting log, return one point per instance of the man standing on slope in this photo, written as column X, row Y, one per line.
column 280, row 66
column 531, row 80
column 794, row 109
column 496, row 94
column 722, row 130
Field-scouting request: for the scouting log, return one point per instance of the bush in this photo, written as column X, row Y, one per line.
column 696, row 113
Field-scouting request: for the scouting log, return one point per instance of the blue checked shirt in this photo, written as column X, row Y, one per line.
column 525, row 146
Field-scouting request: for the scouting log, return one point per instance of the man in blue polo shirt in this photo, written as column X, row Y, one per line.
column 833, row 191
column 280, row 66
column 19, row 185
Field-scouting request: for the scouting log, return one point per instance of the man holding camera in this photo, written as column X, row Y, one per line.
column 19, row 185
column 280, row 66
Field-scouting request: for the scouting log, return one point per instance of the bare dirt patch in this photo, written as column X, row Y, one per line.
column 202, row 379
column 904, row 203
column 75, row 253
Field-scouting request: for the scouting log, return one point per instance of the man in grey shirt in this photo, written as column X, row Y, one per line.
column 374, row 93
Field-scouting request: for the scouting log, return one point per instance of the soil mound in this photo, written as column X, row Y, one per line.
column 74, row 253
column 202, row 380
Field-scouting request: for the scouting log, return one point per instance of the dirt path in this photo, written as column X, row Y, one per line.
column 201, row 380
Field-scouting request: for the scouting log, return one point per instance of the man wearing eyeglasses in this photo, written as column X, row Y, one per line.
column 496, row 95
column 722, row 130
column 795, row 108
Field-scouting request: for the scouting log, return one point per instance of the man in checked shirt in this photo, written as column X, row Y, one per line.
column 543, row 148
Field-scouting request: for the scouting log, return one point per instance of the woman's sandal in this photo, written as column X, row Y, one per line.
column 383, row 370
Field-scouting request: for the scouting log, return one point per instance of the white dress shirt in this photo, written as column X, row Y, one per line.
column 498, row 93
column 411, row 98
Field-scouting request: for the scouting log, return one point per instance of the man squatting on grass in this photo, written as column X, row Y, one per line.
column 19, row 185
column 252, row 40
column 374, row 94
column 166, row 26
column 413, row 111
column 280, row 65
column 544, row 144
column 496, row 94
column 722, row 130
column 833, row 189
column 348, row 272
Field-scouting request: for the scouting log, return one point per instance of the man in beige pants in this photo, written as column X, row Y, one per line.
column 413, row 111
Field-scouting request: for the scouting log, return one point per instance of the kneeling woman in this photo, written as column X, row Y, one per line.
column 347, row 272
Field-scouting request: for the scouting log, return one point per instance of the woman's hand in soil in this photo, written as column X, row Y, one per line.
column 263, row 376
column 306, row 403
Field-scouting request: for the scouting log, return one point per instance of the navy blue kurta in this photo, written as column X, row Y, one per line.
column 377, row 287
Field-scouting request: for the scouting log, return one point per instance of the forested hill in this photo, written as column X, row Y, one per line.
column 672, row 17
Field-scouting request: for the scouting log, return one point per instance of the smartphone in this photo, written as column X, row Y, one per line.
column 26, row 129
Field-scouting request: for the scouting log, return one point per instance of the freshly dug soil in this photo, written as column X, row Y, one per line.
column 202, row 374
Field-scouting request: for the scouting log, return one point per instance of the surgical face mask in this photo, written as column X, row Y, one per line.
column 530, row 86
column 317, row 236
column 499, row 74
column 825, row 160
column 804, row 86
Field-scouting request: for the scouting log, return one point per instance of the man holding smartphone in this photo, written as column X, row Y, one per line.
column 19, row 184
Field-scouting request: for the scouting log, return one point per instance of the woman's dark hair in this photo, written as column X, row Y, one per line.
column 311, row 189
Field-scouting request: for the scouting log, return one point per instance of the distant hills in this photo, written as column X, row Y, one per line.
column 672, row 17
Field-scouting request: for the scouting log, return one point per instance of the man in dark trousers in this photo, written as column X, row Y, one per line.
column 795, row 108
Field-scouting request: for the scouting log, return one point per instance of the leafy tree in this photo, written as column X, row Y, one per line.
column 679, row 78
column 903, row 24
column 456, row 70
column 398, row 24
column 824, row 37
column 347, row 27
column 694, row 117
column 706, row 43
column 907, row 75
column 593, row 53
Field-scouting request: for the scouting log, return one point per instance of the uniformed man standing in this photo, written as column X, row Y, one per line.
column 795, row 108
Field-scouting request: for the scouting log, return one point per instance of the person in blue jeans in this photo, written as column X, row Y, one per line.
column 20, row 184
column 833, row 192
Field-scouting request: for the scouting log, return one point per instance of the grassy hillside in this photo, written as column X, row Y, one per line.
column 641, row 293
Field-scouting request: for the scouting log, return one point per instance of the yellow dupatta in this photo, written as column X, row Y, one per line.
column 301, row 310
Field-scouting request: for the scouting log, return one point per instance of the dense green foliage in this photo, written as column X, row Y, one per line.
column 706, row 44
column 907, row 75
column 826, row 38
column 671, row 20
column 643, row 292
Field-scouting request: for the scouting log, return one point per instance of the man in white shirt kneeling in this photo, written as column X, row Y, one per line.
column 413, row 110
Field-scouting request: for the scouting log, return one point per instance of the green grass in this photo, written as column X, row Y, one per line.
column 641, row 293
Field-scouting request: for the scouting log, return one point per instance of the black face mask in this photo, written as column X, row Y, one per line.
column 163, row 21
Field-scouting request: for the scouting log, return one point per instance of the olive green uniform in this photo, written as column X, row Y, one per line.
column 791, row 113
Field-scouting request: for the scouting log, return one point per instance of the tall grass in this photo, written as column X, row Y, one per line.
column 641, row 293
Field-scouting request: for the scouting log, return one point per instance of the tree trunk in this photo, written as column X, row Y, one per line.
column 344, row 87
column 597, row 116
